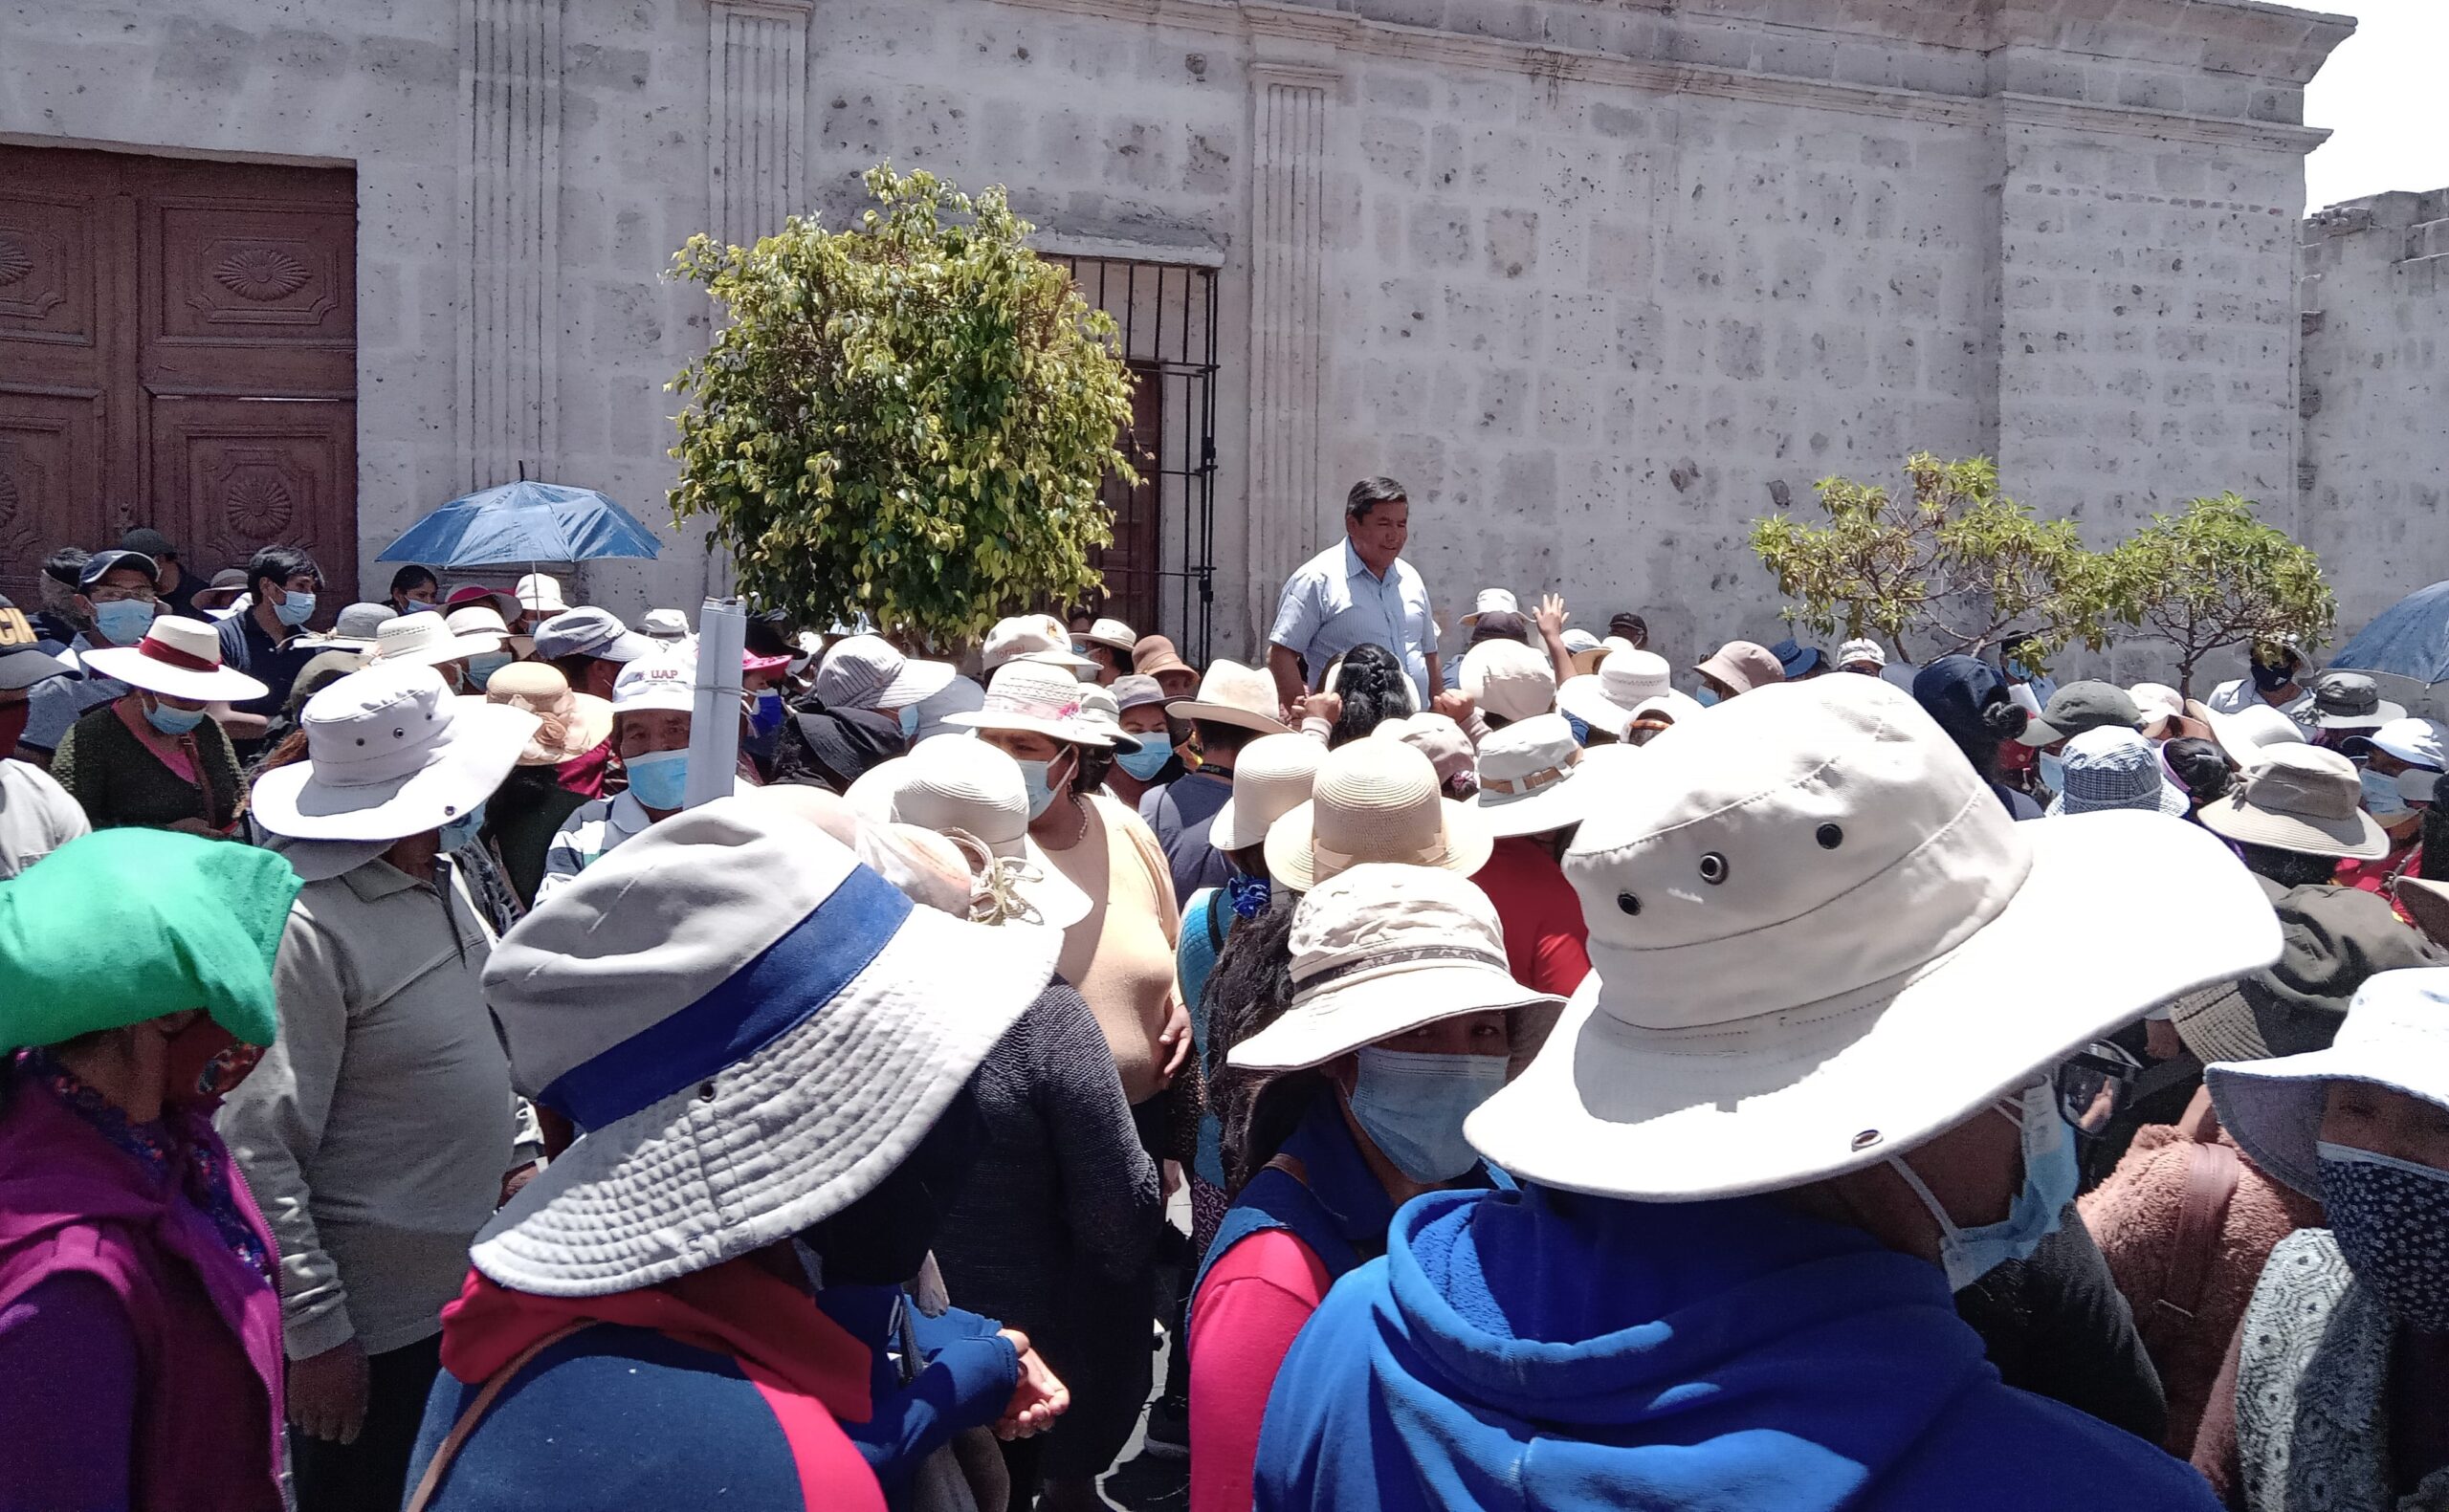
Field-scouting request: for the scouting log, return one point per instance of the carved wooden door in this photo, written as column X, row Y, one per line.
column 177, row 349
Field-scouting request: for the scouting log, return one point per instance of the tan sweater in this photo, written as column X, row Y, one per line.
column 1121, row 955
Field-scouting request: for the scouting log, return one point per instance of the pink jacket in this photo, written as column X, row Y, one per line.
column 206, row 1426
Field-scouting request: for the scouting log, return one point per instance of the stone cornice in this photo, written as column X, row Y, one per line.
column 1348, row 34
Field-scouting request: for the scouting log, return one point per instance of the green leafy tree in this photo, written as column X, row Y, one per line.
column 911, row 416
column 1953, row 565
column 2216, row 576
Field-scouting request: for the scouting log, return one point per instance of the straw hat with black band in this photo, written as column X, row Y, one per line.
column 1234, row 694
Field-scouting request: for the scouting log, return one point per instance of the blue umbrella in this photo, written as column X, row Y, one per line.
column 523, row 522
column 2409, row 639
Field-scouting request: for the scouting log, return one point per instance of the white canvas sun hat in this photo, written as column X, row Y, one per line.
column 1862, row 651
column 1037, row 698
column 1101, row 708
column 1605, row 699
column 1271, row 775
column 2299, row 798
column 1673, row 706
column 664, row 625
column 1111, row 634
column 867, row 671
column 1491, row 601
column 1374, row 801
column 974, row 788
column 2416, row 741
column 2252, row 732
column 1508, row 679
column 1038, row 637
column 180, row 657
column 424, row 639
column 540, row 593
column 1812, row 925
column 589, row 630
column 2395, row 1035
column 666, row 681
column 628, row 998
column 1380, row 949
column 389, row 754
column 1528, row 778
column 1231, row 693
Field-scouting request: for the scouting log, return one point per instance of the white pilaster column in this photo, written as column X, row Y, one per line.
column 755, row 115
column 1290, row 103
column 510, row 219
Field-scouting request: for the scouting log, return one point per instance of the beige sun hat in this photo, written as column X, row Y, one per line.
column 1811, row 927
column 1493, row 601
column 1111, row 634
column 1508, row 679
column 1529, row 775
column 1234, row 694
column 1381, row 950
column 972, row 788
column 2251, row 734
column 1038, row 637
column 1038, row 699
column 483, row 619
column 1605, row 699
column 424, row 639
column 2299, row 798
column 1436, row 737
column 1272, row 775
column 1374, row 801
column 179, row 657
column 570, row 724
column 1743, row 665
column 389, row 754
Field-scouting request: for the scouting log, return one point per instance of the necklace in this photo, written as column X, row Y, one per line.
column 1080, row 823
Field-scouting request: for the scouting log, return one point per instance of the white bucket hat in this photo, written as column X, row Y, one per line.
column 1233, row 694
column 1380, row 949
column 589, row 630
column 2110, row 766
column 1862, row 651
column 1037, row 698
column 974, row 788
column 1374, row 801
column 1491, row 601
column 1038, row 637
column 541, row 593
column 391, row 753
column 2395, row 1035
column 1111, row 634
column 665, row 624
column 1101, row 709
column 180, row 657
column 1508, row 679
column 1812, row 926
column 1528, row 778
column 2299, row 798
column 1607, row 698
column 2251, row 734
column 867, row 671
column 625, row 999
column 1673, row 706
column 424, row 639
column 1272, row 775
column 2416, row 741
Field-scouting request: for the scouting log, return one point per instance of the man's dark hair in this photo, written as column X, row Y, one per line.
column 66, row 566
column 410, row 579
column 1499, row 625
column 1370, row 492
column 2201, row 768
column 1218, row 737
column 2289, row 869
column 276, row 565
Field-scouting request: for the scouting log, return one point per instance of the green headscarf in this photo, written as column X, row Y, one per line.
column 125, row 925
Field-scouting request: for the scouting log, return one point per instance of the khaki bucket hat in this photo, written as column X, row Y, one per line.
column 2299, row 798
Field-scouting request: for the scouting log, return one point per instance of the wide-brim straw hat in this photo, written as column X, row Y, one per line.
column 1379, row 951
column 1374, row 801
column 179, row 657
column 1231, row 693
column 750, row 1030
column 2395, row 1036
column 2299, row 798
column 391, row 753
column 965, row 785
column 1812, row 927
column 424, row 639
column 570, row 724
column 1531, row 777
column 1038, row 637
column 1038, row 699
column 1111, row 634
column 1271, row 775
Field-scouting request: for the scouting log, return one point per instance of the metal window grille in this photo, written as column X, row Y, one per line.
column 1161, row 571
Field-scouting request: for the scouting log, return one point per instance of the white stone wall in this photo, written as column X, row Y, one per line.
column 1601, row 281
column 2376, row 397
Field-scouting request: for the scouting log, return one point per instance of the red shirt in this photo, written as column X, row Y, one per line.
column 2405, row 859
column 1254, row 1299
column 1547, row 945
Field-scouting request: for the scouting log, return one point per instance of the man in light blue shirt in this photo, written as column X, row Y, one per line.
column 1357, row 592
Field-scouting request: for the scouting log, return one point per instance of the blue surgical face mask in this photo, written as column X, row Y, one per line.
column 482, row 666
column 765, row 716
column 296, row 610
column 2387, row 1214
column 2050, row 1178
column 1705, row 696
column 1412, row 1107
column 1040, row 787
column 463, row 829
column 1147, row 761
column 2381, row 797
column 122, row 621
column 2053, row 772
column 659, row 778
column 171, row 721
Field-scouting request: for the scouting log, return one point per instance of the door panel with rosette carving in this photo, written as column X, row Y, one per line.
column 189, row 329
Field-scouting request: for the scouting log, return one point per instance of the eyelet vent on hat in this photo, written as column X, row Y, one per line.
column 1628, row 903
column 1831, row 836
column 1867, row 1139
column 1713, row 869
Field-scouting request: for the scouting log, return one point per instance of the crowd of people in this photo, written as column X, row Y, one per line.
column 1550, row 1076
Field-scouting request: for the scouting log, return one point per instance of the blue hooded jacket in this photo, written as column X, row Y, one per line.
column 1538, row 1348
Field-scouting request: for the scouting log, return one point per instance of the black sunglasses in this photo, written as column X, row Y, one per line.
column 2093, row 1084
